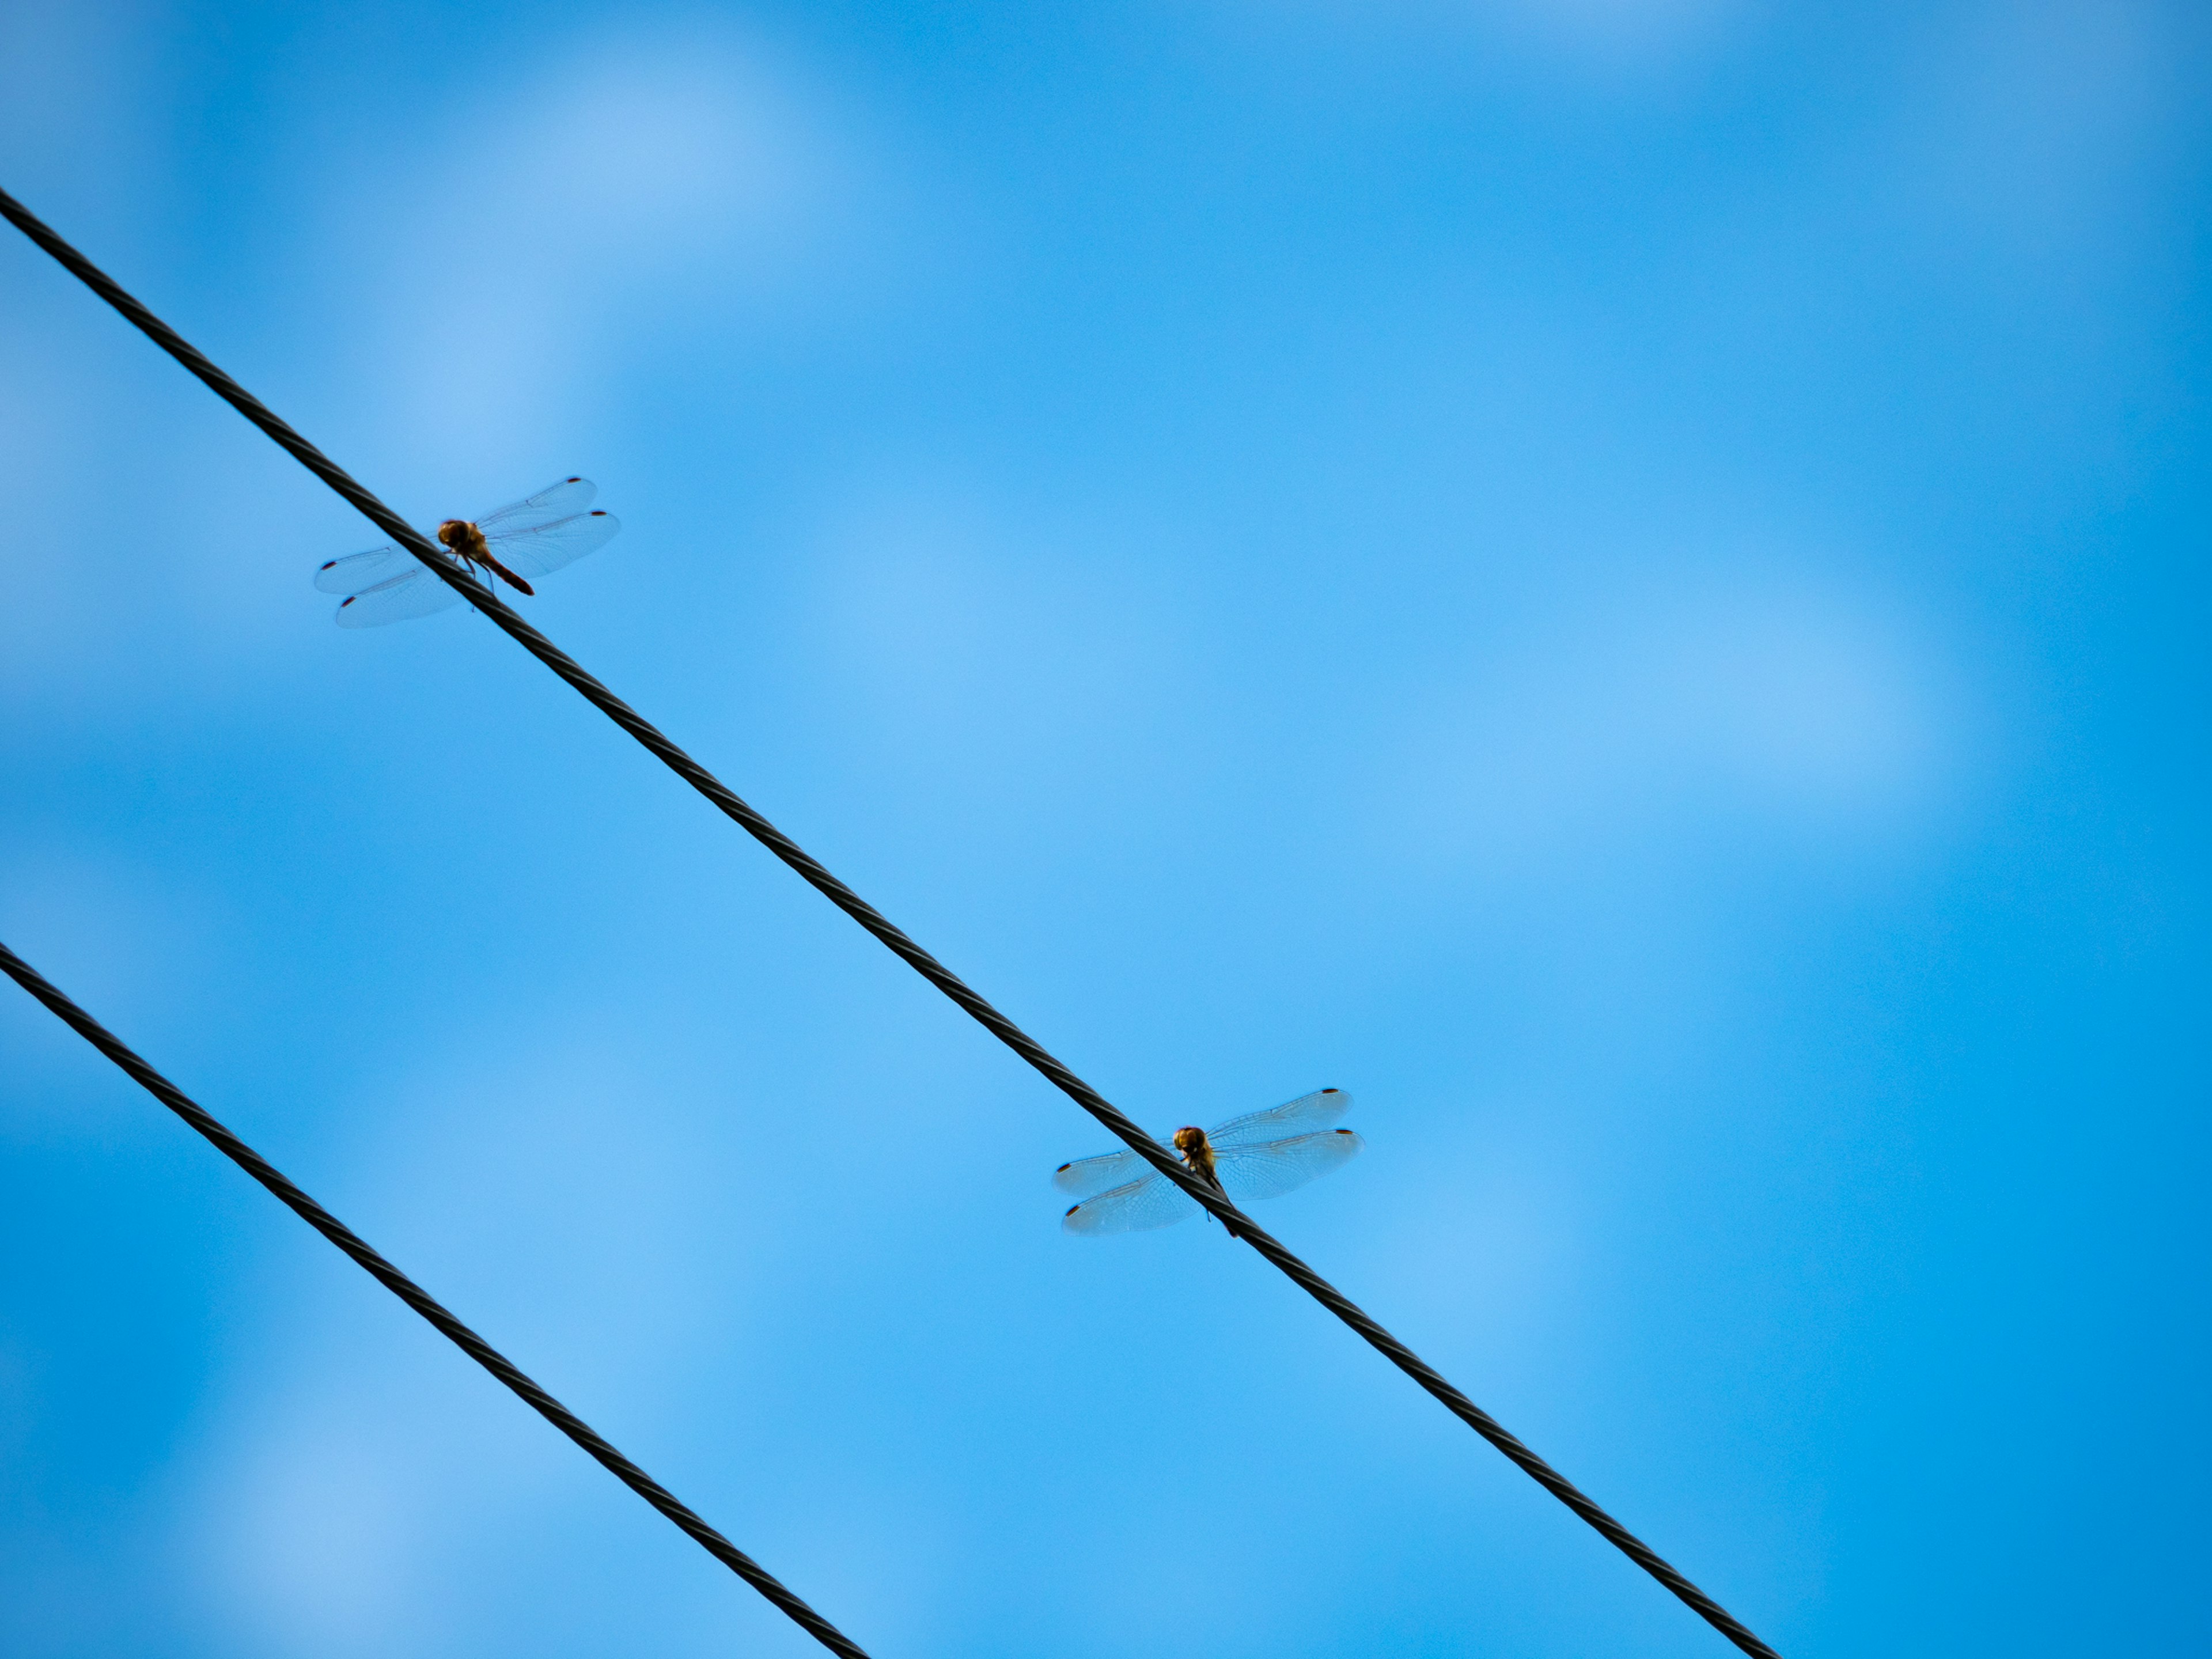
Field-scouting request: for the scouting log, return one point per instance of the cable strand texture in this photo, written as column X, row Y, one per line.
column 732, row 806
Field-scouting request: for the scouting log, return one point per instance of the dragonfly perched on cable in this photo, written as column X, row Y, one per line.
column 535, row 537
column 1260, row 1155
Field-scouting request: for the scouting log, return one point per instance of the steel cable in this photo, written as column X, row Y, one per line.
column 423, row 1303
column 729, row 802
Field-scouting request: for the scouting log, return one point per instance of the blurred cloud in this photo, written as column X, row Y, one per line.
column 2026, row 122
column 549, row 1190
column 45, row 434
column 1491, row 1258
column 1213, row 731
column 108, row 930
column 952, row 612
column 1693, row 711
column 616, row 187
column 322, row 1524
column 79, row 90
column 487, row 278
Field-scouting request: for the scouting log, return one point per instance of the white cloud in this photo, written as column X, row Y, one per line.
column 2027, row 121
column 1486, row 1259
column 968, row 627
column 319, row 1536
column 1644, row 718
column 465, row 310
column 364, row 1472
column 115, row 933
column 608, row 192
column 77, row 96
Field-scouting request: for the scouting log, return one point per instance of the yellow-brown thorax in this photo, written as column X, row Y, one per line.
column 1197, row 1151
column 464, row 539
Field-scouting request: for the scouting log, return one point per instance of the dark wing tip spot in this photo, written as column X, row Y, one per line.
column 1344, row 1132
column 573, row 479
column 342, row 604
column 327, row 564
column 1332, row 1091
column 598, row 513
column 1066, row 1167
column 1072, row 1209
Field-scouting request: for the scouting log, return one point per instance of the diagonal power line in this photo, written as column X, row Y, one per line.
column 420, row 1300
column 731, row 805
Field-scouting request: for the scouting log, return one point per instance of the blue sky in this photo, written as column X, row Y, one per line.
column 1623, row 580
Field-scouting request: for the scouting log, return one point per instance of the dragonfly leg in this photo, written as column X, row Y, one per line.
column 1214, row 1182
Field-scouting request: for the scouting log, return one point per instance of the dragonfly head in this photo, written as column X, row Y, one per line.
column 1195, row 1150
column 464, row 538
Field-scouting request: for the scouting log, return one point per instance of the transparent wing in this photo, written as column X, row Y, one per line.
column 415, row 592
column 564, row 500
column 1087, row 1176
column 1274, row 1168
column 1314, row 1111
column 1135, row 1207
column 543, row 549
column 358, row 572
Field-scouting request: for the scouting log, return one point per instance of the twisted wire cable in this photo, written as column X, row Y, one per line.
column 423, row 1303
column 729, row 802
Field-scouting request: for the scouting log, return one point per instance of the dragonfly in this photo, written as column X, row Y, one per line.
column 534, row 537
column 1260, row 1155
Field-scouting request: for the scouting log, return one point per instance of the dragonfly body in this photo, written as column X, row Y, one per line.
column 467, row 543
column 1197, row 1151
column 1260, row 1155
column 534, row 537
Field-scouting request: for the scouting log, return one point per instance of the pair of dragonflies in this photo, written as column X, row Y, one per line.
column 534, row 537
column 1260, row 1155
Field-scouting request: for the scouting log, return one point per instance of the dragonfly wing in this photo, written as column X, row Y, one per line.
column 414, row 592
column 541, row 549
column 1270, row 1169
column 1087, row 1176
column 1308, row 1112
column 1135, row 1207
column 358, row 572
column 564, row 500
